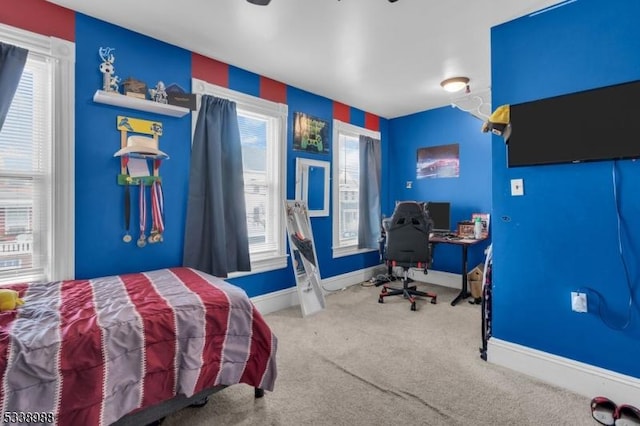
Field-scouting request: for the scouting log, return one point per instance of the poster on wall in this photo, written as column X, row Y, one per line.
column 441, row 161
column 310, row 134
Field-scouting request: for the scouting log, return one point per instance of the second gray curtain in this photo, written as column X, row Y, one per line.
column 216, row 239
column 369, row 199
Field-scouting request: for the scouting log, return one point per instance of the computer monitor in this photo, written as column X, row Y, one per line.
column 440, row 214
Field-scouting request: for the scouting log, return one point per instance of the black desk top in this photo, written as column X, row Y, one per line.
column 453, row 239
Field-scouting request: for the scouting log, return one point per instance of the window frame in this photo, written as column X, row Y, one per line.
column 60, row 263
column 279, row 112
column 342, row 128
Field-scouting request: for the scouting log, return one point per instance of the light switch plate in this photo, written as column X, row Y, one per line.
column 517, row 187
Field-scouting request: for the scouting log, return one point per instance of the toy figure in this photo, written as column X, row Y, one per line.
column 158, row 93
column 110, row 81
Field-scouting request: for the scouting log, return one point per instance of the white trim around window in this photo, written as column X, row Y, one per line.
column 61, row 233
column 341, row 128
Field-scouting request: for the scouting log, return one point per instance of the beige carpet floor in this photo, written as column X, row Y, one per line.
column 363, row 363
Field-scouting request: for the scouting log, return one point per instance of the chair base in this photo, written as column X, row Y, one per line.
column 408, row 292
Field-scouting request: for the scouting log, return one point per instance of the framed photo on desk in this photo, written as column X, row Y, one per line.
column 465, row 229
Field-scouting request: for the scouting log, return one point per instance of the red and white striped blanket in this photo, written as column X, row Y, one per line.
column 91, row 351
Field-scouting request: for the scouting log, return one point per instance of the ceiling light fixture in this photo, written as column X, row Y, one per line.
column 455, row 84
column 260, row 2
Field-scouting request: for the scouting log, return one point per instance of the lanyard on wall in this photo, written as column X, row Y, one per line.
column 157, row 212
column 142, row 205
column 127, row 208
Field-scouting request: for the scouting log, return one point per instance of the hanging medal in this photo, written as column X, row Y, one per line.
column 142, row 205
column 127, row 207
column 157, row 212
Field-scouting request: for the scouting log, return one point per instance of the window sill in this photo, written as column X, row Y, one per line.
column 265, row 265
column 349, row 251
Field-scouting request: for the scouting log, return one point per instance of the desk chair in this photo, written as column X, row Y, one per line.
column 407, row 246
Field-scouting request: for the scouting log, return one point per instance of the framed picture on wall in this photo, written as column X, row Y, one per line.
column 441, row 161
column 310, row 134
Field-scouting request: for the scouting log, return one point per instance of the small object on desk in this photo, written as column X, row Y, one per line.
column 466, row 229
column 477, row 228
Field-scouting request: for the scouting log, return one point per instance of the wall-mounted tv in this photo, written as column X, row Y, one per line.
column 598, row 124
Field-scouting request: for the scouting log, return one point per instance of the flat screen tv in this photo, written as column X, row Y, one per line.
column 598, row 124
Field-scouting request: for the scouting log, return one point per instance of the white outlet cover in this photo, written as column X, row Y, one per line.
column 517, row 187
column 578, row 302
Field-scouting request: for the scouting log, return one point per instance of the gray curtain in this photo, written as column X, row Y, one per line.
column 12, row 60
column 369, row 207
column 216, row 238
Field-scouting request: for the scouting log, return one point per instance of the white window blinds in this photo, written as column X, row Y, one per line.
column 37, row 163
column 25, row 176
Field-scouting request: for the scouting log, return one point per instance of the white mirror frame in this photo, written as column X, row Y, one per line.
column 302, row 184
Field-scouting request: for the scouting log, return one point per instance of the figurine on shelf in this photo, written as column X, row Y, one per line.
column 158, row 93
column 110, row 81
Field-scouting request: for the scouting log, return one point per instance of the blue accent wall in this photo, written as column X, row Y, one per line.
column 469, row 193
column 99, row 200
column 565, row 234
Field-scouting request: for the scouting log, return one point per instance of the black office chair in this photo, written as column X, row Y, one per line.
column 407, row 246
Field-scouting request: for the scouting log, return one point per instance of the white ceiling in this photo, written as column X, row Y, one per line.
column 384, row 58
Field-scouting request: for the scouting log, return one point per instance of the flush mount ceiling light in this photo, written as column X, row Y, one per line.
column 455, row 84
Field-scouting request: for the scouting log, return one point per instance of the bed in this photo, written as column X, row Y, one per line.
column 132, row 346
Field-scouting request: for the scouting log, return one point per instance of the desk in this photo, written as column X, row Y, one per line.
column 464, row 243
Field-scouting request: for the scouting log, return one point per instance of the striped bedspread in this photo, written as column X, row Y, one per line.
column 87, row 352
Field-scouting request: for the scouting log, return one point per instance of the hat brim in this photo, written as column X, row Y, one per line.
column 133, row 151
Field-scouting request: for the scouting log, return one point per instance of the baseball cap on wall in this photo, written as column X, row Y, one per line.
column 499, row 123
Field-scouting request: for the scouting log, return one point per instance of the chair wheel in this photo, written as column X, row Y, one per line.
column 380, row 300
column 413, row 306
column 433, row 301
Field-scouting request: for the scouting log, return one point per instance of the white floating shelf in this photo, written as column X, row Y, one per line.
column 116, row 99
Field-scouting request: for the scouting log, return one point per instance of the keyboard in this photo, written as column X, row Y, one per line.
column 447, row 235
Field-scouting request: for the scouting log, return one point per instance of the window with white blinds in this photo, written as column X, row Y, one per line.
column 263, row 129
column 25, row 169
column 32, row 233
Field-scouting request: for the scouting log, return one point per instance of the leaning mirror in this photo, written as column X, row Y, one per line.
column 304, row 259
column 312, row 185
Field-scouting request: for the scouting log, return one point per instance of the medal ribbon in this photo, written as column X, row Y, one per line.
column 157, row 207
column 127, row 203
column 142, row 205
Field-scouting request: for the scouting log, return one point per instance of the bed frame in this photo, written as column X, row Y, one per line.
column 154, row 415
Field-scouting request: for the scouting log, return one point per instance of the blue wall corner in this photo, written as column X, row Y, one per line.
column 469, row 193
column 562, row 235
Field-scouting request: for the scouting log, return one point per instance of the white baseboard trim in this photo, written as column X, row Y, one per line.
column 445, row 279
column 277, row 300
column 282, row 299
column 339, row 282
column 581, row 378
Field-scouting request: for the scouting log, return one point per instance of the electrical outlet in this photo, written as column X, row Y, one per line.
column 578, row 302
column 517, row 187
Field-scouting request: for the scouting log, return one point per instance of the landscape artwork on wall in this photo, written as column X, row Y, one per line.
column 441, row 161
column 310, row 134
